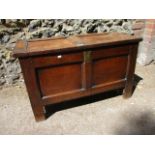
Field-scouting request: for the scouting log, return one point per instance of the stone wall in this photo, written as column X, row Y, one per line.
column 13, row 29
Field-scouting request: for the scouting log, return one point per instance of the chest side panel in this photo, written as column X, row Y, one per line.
column 109, row 67
column 109, row 70
column 59, row 79
column 60, row 76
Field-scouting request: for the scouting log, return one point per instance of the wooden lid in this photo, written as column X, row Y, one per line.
column 57, row 44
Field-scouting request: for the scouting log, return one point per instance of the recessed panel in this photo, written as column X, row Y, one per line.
column 109, row 70
column 56, row 80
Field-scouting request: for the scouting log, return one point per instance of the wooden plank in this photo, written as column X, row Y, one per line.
column 46, row 46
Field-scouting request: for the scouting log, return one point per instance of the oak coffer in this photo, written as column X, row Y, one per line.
column 61, row 69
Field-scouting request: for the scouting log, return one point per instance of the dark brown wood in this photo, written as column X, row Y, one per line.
column 32, row 88
column 62, row 69
column 61, row 44
column 130, row 72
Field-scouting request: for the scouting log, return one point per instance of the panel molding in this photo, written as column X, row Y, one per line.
column 42, row 85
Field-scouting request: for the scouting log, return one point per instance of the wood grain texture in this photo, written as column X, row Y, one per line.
column 128, row 90
column 32, row 88
column 108, row 70
column 73, row 43
column 62, row 69
column 60, row 79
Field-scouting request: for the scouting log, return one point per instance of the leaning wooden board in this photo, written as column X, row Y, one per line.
column 62, row 69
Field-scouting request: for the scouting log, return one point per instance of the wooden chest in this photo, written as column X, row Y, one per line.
column 62, row 69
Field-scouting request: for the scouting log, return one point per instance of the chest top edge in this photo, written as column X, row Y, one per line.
column 79, row 42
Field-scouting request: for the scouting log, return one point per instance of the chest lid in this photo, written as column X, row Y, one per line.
column 64, row 44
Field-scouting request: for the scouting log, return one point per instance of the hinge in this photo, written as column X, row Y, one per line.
column 87, row 56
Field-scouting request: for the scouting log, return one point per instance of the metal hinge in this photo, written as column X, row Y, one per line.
column 87, row 56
